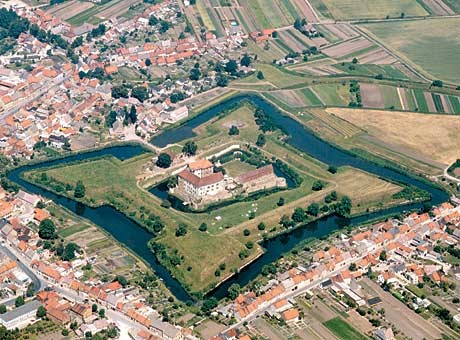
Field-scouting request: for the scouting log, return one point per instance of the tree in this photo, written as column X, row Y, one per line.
column 280, row 202
column 437, row 83
column 164, row 160
column 203, row 227
column 234, row 290
column 69, row 251
column 299, row 215
column 313, row 209
column 246, row 60
column 317, row 186
column 41, row 312
column 30, row 290
column 181, row 230
column 164, row 26
column 344, row 207
column 46, row 229
column 80, row 190
column 354, row 61
column 231, row 66
column 64, row 332
column 94, row 308
column 120, row 92
column 102, row 313
column 2, row 309
column 148, row 62
column 233, row 131
column 260, row 75
column 209, row 304
column 133, row 114
column 246, row 232
column 190, row 148
column 261, row 226
column 140, row 93
column 352, row 267
column 221, row 80
column 261, row 140
column 121, row 280
column 332, row 169
column 195, row 74
column 383, row 255
column 19, row 301
column 153, row 20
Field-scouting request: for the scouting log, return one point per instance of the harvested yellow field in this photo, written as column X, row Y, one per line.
column 365, row 189
column 433, row 136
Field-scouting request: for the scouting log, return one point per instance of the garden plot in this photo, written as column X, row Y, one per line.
column 378, row 57
column 69, row 9
column 341, row 31
column 117, row 9
column 346, row 48
column 306, row 11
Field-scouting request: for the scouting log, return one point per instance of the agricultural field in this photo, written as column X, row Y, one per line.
column 69, row 9
column 371, row 70
column 433, row 45
column 98, row 13
column 439, row 140
column 343, row 330
column 368, row 9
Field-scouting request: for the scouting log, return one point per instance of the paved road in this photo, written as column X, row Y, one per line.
column 292, row 294
column 39, row 284
column 36, row 96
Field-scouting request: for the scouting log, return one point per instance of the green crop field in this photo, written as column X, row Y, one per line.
column 454, row 4
column 455, row 103
column 421, row 101
column 343, row 330
column 310, row 96
column 433, row 44
column 370, row 9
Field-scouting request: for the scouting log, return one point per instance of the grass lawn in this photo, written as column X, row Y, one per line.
column 433, row 44
column 343, row 330
column 369, row 9
column 236, row 168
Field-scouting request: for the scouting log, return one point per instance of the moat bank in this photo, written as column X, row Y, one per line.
column 135, row 237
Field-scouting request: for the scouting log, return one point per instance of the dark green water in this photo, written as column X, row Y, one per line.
column 135, row 237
